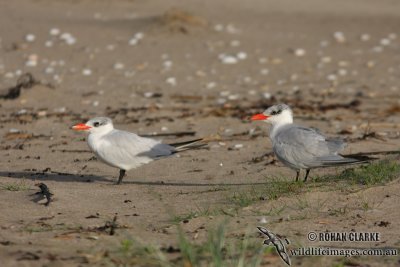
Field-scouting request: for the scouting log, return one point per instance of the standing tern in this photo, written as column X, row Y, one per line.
column 301, row 147
column 125, row 150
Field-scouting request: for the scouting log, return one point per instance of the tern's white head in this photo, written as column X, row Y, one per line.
column 99, row 125
column 276, row 115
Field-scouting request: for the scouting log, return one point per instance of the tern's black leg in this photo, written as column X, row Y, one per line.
column 121, row 176
column 297, row 175
column 307, row 172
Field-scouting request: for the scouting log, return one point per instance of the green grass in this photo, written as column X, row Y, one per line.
column 182, row 217
column 217, row 250
column 132, row 252
column 375, row 173
column 273, row 211
column 338, row 211
column 44, row 227
column 273, row 190
column 188, row 250
column 16, row 186
column 198, row 212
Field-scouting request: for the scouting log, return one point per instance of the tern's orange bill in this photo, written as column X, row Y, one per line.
column 81, row 127
column 259, row 117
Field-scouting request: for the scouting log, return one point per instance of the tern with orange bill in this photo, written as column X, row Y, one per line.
column 300, row 147
column 125, row 150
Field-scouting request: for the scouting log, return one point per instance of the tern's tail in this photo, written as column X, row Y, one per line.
column 336, row 160
column 193, row 144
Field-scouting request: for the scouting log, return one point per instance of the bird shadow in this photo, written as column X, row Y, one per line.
column 69, row 177
column 54, row 176
column 37, row 197
column 162, row 183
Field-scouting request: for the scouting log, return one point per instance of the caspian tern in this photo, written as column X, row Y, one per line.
column 125, row 150
column 300, row 147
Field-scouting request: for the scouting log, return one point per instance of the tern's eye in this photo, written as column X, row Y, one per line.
column 276, row 112
column 96, row 124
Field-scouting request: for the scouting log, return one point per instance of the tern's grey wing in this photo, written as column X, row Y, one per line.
column 127, row 150
column 300, row 147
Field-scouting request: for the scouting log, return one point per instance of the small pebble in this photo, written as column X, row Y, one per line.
column 60, row 110
column 299, row 52
column 42, row 113
column 230, row 28
column 252, row 92
column 342, row 72
column 167, row 64
column 267, row 95
column 48, row 44
column 54, row 31
column 262, row 60
column 110, row 47
column 30, row 37
column 377, row 49
column 294, row 77
column 211, row 85
column 331, row 77
column 68, row 38
column 49, row 70
column 219, row 27
column 370, row 64
column 324, row 43
column 9, row 75
column 392, row 36
column 221, row 101
column 241, row 55
column 119, row 66
column 238, row 146
column 148, row 94
column 139, row 36
column 133, row 41
column 339, row 37
column 385, row 41
column 234, row 97
column 171, row 81
column 87, row 72
column 247, row 79
column 32, row 60
column 224, row 93
column 326, row 59
column 365, row 37
column 228, row 59
column 14, row 130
